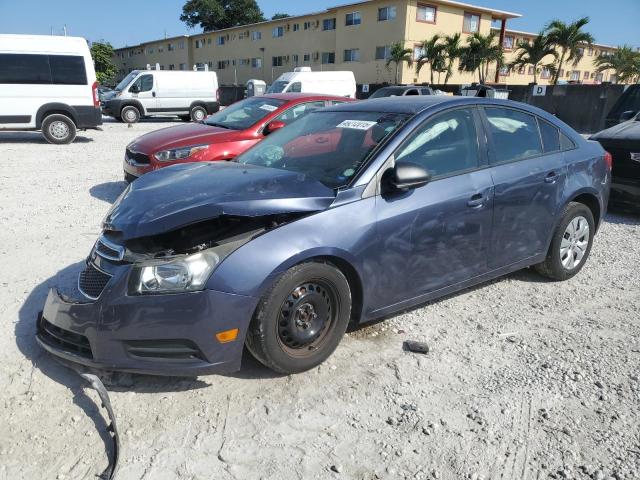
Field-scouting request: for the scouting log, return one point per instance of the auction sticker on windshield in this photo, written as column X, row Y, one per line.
column 268, row 108
column 357, row 124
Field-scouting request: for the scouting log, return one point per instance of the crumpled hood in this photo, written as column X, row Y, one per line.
column 629, row 130
column 183, row 194
column 182, row 135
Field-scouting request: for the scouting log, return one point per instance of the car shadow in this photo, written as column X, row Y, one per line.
column 108, row 191
column 144, row 120
column 622, row 217
column 33, row 137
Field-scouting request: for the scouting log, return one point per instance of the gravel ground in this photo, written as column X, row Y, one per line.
column 525, row 379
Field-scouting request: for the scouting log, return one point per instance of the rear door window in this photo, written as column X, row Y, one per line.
column 550, row 136
column 24, row 68
column 67, row 70
column 445, row 145
column 299, row 110
column 514, row 134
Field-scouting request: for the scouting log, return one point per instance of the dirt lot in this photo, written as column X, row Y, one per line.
column 525, row 379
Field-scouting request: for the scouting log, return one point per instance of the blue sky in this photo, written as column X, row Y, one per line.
column 126, row 22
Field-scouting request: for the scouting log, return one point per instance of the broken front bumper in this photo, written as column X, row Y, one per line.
column 154, row 334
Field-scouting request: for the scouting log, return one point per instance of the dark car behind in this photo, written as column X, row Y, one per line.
column 627, row 106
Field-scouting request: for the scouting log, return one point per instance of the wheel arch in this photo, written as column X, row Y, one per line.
column 55, row 108
column 198, row 103
column 132, row 103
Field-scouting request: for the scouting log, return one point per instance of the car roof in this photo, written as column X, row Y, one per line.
column 403, row 87
column 410, row 105
column 293, row 97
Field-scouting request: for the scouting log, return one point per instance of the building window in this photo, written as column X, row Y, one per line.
column 210, row 65
column 530, row 70
column 426, row 13
column 328, row 57
column 200, row 43
column 222, row 64
column 161, row 67
column 586, row 75
column 296, row 27
column 183, row 66
column 172, row 66
column 307, row 25
column 546, row 73
column 208, row 41
column 561, row 73
column 220, row 40
column 256, row 63
column 504, row 71
column 256, row 35
column 418, row 52
column 353, row 18
column 590, row 52
column 306, row 58
column 181, row 45
column 277, row 61
column 599, row 77
column 352, row 55
column 329, row 24
column 471, row 23
column 277, row 32
column 575, row 75
column 170, row 47
column 508, row 42
column 382, row 53
column 386, row 13
column 149, row 50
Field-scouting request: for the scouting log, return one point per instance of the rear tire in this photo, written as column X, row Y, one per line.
column 570, row 245
column 58, row 129
column 198, row 113
column 301, row 319
column 130, row 114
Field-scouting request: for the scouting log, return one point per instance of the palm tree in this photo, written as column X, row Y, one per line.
column 452, row 52
column 433, row 54
column 570, row 39
column 398, row 54
column 533, row 54
column 481, row 51
column 625, row 61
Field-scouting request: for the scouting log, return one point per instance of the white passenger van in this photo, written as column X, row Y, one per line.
column 48, row 83
column 191, row 95
column 302, row 79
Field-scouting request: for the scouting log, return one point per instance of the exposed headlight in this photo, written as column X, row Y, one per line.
column 179, row 274
column 179, row 153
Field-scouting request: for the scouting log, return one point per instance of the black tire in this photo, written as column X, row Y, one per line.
column 321, row 288
column 553, row 266
column 130, row 114
column 185, row 118
column 198, row 113
column 58, row 129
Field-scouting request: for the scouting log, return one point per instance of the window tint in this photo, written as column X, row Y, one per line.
column 67, row 70
column 514, row 133
column 566, row 143
column 299, row 110
column 18, row 68
column 144, row 83
column 413, row 91
column 444, row 145
column 550, row 136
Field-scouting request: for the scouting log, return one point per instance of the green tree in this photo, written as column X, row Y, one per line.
column 433, row 54
column 534, row 53
column 398, row 55
column 218, row 14
column 452, row 53
column 625, row 61
column 570, row 39
column 278, row 16
column 102, row 54
column 479, row 53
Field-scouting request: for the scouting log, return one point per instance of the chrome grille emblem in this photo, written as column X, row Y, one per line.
column 109, row 250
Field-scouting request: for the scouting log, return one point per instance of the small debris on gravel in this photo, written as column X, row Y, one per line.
column 416, row 347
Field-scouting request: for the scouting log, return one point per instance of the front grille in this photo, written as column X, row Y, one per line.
column 92, row 281
column 139, row 158
column 64, row 339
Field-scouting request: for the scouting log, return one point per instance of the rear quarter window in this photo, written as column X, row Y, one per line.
column 550, row 136
column 67, row 70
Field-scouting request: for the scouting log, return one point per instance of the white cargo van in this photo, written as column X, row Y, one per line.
column 191, row 95
column 48, row 83
column 302, row 79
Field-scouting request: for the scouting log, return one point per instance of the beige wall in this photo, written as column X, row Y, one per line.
column 239, row 49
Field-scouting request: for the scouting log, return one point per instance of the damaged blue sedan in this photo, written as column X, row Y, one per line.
column 353, row 213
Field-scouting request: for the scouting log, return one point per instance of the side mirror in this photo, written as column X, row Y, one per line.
column 405, row 176
column 628, row 115
column 134, row 89
column 273, row 126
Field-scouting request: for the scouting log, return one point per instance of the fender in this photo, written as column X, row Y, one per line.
column 55, row 107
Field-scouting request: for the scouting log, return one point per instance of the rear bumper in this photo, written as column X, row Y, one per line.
column 172, row 335
column 88, row 117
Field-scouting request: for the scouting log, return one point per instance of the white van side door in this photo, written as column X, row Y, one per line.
column 143, row 90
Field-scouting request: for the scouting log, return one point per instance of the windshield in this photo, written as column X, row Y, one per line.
column 278, row 87
column 330, row 147
column 126, row 81
column 245, row 113
column 388, row 92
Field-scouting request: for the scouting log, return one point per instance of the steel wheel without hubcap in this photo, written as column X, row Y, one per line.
column 198, row 115
column 574, row 243
column 59, row 130
column 306, row 316
column 130, row 116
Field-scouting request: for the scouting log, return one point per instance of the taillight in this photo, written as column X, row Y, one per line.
column 609, row 160
column 94, row 92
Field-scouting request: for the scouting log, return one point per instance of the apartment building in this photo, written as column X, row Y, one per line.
column 355, row 36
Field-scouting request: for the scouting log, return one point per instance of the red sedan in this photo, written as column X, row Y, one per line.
column 221, row 136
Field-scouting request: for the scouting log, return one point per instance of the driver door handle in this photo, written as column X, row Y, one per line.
column 551, row 177
column 153, row 94
column 476, row 201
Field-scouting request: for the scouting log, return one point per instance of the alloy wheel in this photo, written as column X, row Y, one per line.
column 575, row 242
column 59, row 130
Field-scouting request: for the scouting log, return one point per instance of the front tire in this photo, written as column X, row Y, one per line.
column 300, row 321
column 571, row 243
column 58, row 129
column 198, row 113
column 130, row 114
